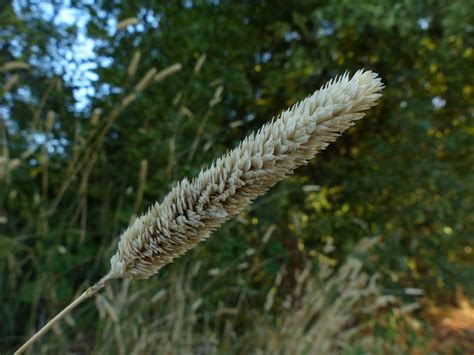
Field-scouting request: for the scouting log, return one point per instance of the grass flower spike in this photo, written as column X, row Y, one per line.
column 193, row 209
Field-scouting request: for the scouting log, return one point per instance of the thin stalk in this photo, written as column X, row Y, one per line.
column 86, row 294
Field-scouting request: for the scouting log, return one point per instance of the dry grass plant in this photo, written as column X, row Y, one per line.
column 193, row 209
column 326, row 312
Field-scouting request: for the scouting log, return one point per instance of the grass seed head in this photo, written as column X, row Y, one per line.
column 193, row 209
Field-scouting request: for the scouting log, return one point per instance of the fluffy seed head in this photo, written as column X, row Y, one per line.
column 194, row 208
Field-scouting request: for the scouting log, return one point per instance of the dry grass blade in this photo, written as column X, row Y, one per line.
column 168, row 71
column 11, row 83
column 193, row 209
column 125, row 23
column 132, row 68
column 147, row 78
column 15, row 65
column 200, row 63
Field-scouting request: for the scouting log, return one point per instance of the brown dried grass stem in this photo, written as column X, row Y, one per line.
column 86, row 294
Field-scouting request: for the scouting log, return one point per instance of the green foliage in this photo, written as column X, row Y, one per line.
column 68, row 189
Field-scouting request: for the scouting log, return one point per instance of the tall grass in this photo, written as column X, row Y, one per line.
column 193, row 209
column 178, row 312
column 331, row 310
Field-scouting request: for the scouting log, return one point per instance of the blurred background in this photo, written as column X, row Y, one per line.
column 106, row 104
